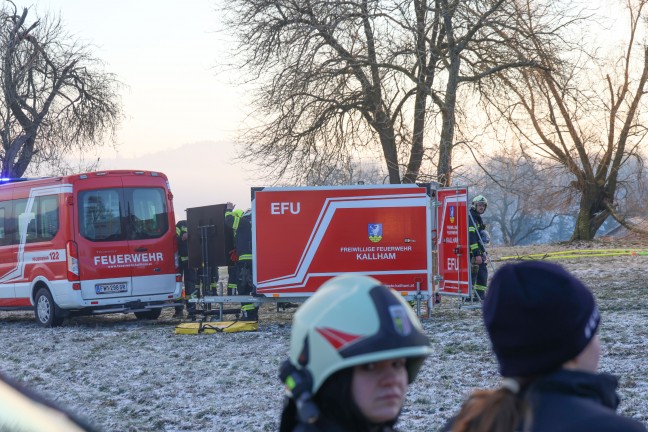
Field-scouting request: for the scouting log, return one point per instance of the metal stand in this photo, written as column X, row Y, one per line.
column 205, row 290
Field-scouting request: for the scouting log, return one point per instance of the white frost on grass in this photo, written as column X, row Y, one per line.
column 128, row 375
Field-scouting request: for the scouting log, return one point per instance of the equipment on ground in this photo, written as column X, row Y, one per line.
column 413, row 238
column 216, row 327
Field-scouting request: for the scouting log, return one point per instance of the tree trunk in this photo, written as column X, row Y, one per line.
column 424, row 77
column 591, row 214
column 416, row 156
column 582, row 228
column 444, row 169
column 14, row 152
column 388, row 143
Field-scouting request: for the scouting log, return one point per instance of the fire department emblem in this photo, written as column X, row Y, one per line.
column 375, row 232
column 401, row 322
column 452, row 214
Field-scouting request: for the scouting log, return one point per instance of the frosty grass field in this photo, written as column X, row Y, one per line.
column 128, row 375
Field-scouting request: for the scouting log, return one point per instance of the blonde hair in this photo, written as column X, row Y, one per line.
column 500, row 410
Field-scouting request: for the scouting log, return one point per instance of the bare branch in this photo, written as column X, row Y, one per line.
column 56, row 97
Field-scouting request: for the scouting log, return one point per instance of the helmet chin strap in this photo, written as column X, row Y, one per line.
column 299, row 383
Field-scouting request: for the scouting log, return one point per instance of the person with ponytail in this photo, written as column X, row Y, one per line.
column 543, row 322
column 355, row 345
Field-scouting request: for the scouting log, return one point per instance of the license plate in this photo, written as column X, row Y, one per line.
column 111, row 288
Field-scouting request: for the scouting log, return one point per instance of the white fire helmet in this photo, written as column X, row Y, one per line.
column 480, row 199
column 353, row 320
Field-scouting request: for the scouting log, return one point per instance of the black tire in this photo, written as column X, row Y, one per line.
column 47, row 312
column 152, row 314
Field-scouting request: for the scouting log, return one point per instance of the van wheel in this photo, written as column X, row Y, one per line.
column 47, row 313
column 152, row 314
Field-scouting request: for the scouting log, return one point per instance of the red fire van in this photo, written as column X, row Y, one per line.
column 94, row 243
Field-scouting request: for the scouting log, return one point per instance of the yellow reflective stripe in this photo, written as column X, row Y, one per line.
column 290, row 382
column 178, row 231
column 247, row 307
column 236, row 223
column 245, row 257
column 474, row 246
column 184, row 258
column 480, row 287
column 231, row 285
column 472, row 229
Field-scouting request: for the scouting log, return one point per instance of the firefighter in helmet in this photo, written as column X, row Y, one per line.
column 188, row 274
column 355, row 347
column 242, row 230
column 477, row 240
column 232, row 274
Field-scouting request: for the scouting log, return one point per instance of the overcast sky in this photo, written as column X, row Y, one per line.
column 181, row 115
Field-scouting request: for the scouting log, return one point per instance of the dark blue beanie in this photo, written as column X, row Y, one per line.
column 538, row 316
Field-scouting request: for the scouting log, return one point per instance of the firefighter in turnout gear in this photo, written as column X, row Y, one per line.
column 232, row 274
column 476, row 236
column 242, row 230
column 188, row 274
column 355, row 347
column 231, row 279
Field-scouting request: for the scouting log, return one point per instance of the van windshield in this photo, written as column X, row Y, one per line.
column 122, row 214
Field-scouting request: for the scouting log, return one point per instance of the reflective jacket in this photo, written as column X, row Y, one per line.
column 183, row 248
column 476, row 246
column 242, row 227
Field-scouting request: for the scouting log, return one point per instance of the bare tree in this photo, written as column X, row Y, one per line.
column 350, row 172
column 524, row 201
column 584, row 114
column 336, row 78
column 55, row 96
column 632, row 191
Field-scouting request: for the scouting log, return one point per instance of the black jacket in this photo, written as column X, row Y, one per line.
column 476, row 246
column 326, row 425
column 578, row 401
column 573, row 401
column 242, row 236
column 183, row 247
column 289, row 422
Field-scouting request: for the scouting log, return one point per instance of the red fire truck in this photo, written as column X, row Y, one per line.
column 413, row 238
column 451, row 243
column 304, row 236
column 93, row 243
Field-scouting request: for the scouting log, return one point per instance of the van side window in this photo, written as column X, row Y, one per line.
column 99, row 215
column 47, row 217
column 148, row 213
column 25, row 221
column 36, row 219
